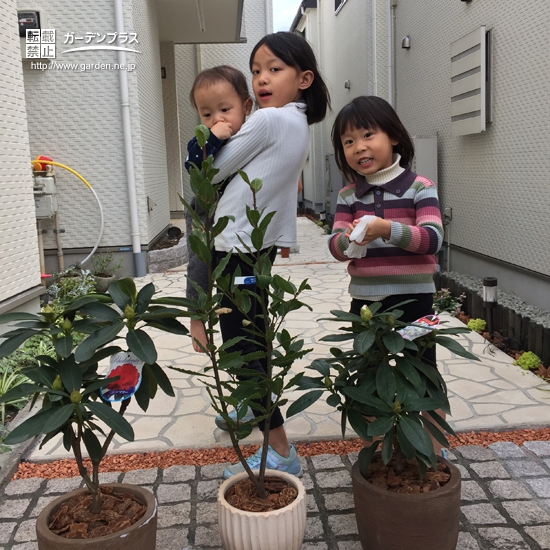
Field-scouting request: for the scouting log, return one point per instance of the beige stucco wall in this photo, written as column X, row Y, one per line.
column 19, row 265
column 496, row 182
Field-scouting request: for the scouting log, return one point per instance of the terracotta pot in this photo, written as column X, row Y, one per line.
column 277, row 530
column 140, row 536
column 397, row 521
column 102, row 283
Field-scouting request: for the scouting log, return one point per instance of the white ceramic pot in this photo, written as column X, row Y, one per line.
column 277, row 530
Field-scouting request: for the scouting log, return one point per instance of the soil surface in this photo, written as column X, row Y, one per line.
column 73, row 520
column 244, row 496
column 407, row 481
column 218, row 455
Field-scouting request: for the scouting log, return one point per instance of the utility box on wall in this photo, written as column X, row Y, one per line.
column 425, row 157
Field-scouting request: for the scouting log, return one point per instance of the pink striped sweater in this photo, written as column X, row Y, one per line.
column 405, row 263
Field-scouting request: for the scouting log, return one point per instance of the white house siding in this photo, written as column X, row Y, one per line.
column 496, row 182
column 190, row 59
column 19, row 263
column 171, row 127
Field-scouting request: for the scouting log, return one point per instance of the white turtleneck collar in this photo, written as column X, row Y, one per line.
column 387, row 174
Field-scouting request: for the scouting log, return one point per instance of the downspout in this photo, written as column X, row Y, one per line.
column 391, row 53
column 140, row 265
column 374, row 62
column 321, row 125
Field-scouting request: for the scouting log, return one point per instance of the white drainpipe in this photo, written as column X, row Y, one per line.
column 391, row 52
column 374, row 63
column 140, row 264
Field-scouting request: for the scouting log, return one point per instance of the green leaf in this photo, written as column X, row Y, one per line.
column 58, row 416
column 162, row 380
column 424, row 404
column 119, row 297
column 170, row 325
column 404, row 444
column 283, row 284
column 221, row 266
column 100, row 311
column 98, row 384
column 142, row 393
column 141, row 344
column 93, row 446
column 365, row 458
column 334, row 400
column 387, row 447
column 12, row 343
column 455, row 347
column 64, row 346
column 321, row 366
column 359, row 424
column 202, row 134
column 385, row 383
column 200, row 249
column 97, row 339
column 41, row 375
column 381, row 425
column 344, row 316
column 441, row 422
column 437, row 434
column 128, row 287
column 393, row 341
column 358, row 394
column 30, row 428
column 408, row 371
column 303, row 402
column 416, row 435
column 79, row 302
column 364, row 341
column 253, row 216
column 114, row 420
column 71, row 376
column 337, row 337
column 18, row 316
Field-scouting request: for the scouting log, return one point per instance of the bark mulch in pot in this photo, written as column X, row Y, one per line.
column 217, row 455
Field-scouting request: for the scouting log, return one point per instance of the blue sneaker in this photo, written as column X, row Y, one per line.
column 222, row 424
column 444, row 453
column 290, row 465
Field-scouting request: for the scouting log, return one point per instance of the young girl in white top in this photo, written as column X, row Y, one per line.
column 271, row 145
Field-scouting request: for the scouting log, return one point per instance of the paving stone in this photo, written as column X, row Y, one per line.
column 350, row 545
column 526, row 512
column 25, row 546
column 464, row 473
column 307, row 481
column 207, row 489
column 508, row 490
column 26, row 531
column 6, row 530
column 482, row 514
column 475, row 452
column 333, row 480
column 314, row 528
column 471, row 490
column 173, row 493
column 541, row 534
column 466, row 542
column 489, row 470
column 207, row 512
column 451, row 456
column 14, row 508
column 172, row 539
column 109, row 477
column 339, row 501
column 353, row 457
column 540, row 486
column 540, row 448
column 507, row 449
column 208, row 536
column 524, row 468
column 343, row 524
column 214, row 471
column 314, row 546
column 63, row 485
column 502, row 537
column 40, row 505
column 23, row 486
column 325, row 462
column 141, row 477
column 311, row 504
column 176, row 474
column 174, row 514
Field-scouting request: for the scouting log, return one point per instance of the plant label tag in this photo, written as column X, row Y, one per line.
column 128, row 368
column 251, row 280
column 415, row 331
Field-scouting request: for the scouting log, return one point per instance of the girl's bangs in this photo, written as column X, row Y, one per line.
column 353, row 117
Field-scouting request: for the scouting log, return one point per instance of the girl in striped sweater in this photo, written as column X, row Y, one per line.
column 395, row 260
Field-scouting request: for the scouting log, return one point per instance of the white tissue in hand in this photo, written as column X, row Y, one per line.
column 360, row 230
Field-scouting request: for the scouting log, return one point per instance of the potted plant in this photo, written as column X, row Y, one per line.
column 76, row 398
column 104, row 270
column 277, row 522
column 391, row 398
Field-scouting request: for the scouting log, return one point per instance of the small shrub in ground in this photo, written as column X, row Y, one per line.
column 445, row 301
column 528, row 361
column 70, row 284
column 104, row 264
column 478, row 325
column 9, row 379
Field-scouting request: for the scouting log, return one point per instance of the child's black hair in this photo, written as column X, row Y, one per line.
column 221, row 73
column 374, row 113
column 296, row 52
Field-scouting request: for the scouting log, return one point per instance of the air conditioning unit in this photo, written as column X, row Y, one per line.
column 425, row 157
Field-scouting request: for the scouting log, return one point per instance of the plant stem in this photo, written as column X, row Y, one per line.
column 123, row 406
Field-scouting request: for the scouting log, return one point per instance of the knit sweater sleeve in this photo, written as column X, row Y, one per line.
column 338, row 242
column 426, row 236
column 241, row 148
